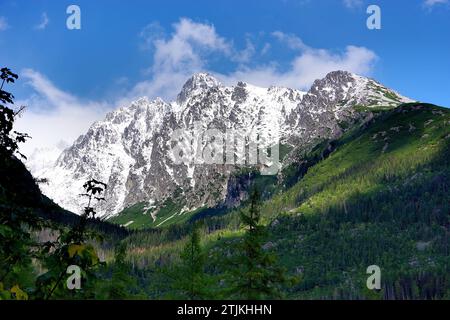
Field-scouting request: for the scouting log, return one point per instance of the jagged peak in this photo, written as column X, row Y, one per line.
column 140, row 101
column 198, row 81
column 204, row 77
column 338, row 73
column 338, row 77
column 335, row 80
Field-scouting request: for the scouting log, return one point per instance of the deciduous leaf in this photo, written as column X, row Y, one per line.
column 18, row 293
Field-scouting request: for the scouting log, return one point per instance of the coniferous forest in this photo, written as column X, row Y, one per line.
column 350, row 203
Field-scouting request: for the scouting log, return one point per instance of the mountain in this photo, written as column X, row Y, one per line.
column 130, row 149
column 369, row 187
column 380, row 197
column 20, row 190
column 42, row 159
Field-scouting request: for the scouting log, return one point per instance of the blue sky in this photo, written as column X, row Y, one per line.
column 126, row 49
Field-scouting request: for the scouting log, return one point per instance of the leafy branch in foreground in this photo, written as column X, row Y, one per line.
column 72, row 248
column 17, row 221
column 9, row 139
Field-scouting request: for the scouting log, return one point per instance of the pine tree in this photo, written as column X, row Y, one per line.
column 190, row 278
column 121, row 283
column 255, row 274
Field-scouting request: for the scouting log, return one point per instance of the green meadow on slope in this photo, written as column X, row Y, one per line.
column 139, row 216
column 382, row 197
column 170, row 212
column 379, row 195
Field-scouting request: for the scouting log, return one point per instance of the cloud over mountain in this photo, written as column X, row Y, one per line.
column 189, row 48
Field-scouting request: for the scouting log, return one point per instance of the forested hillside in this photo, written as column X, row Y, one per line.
column 379, row 195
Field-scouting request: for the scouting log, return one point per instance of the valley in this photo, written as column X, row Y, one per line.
column 363, row 182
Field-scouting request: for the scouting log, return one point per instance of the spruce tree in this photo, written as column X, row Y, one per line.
column 190, row 278
column 255, row 274
column 121, row 283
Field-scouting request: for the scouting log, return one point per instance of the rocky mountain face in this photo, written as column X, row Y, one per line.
column 132, row 148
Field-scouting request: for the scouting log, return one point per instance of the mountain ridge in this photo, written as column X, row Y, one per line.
column 129, row 149
column 379, row 197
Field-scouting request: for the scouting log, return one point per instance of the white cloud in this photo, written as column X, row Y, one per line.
column 192, row 44
column 292, row 41
column 44, row 22
column 150, row 33
column 265, row 48
column 431, row 3
column 247, row 53
column 308, row 66
column 3, row 24
column 185, row 47
column 177, row 57
column 54, row 116
column 353, row 3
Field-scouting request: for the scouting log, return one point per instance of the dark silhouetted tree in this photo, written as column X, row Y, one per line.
column 190, row 278
column 121, row 285
column 9, row 139
column 255, row 273
column 17, row 247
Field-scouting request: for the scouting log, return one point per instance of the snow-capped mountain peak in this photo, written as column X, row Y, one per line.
column 199, row 82
column 130, row 149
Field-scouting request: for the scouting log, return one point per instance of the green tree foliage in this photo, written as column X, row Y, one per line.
column 17, row 248
column 190, row 280
column 121, row 280
column 72, row 248
column 256, row 274
column 9, row 139
column 120, row 284
column 378, row 195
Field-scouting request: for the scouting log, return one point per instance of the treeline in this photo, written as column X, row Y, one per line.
column 67, row 264
column 393, row 212
column 33, row 269
column 352, row 203
column 190, row 269
column 356, row 207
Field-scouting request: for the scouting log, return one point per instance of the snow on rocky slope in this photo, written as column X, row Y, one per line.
column 130, row 149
